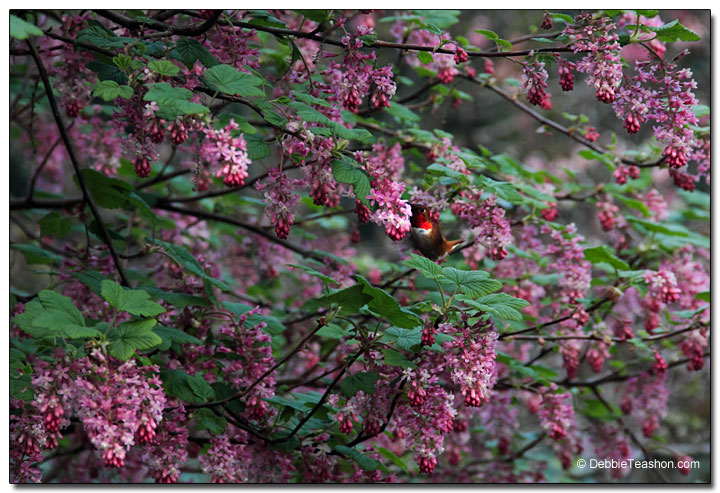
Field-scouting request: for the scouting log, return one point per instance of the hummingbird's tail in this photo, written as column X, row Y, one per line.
column 454, row 246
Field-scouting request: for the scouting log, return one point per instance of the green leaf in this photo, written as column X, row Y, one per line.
column 164, row 67
column 386, row 306
column 200, row 387
column 310, row 114
column 35, row 255
column 54, row 224
column 236, row 308
column 704, row 296
column 175, row 383
column 170, row 335
column 134, row 301
column 603, row 254
column 25, row 320
column 491, row 35
column 257, row 149
column 363, row 460
column 324, row 278
column 110, row 193
column 52, row 300
column 107, row 72
column 388, row 454
column 102, row 37
column 674, row 31
column 364, row 381
column 66, row 323
column 345, row 172
column 21, row 29
column 208, row 420
column 427, row 267
column 396, row 358
column 108, row 90
column 190, row 50
column 173, row 101
column 402, row 112
column 406, row 339
column 185, row 259
column 474, row 283
column 229, row 80
column 425, row 57
column 131, row 336
column 634, row 204
column 178, row 300
column 499, row 304
column 350, row 299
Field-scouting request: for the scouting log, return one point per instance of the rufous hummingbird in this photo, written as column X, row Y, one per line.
column 427, row 236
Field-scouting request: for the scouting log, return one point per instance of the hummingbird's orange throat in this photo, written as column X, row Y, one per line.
column 420, row 220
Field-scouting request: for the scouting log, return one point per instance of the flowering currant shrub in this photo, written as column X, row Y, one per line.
column 213, row 273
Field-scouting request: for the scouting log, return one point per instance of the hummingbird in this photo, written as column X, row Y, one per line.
column 427, row 236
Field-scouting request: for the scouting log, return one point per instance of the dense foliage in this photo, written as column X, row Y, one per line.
column 212, row 276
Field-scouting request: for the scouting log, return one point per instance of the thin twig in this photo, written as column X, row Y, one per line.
column 71, row 152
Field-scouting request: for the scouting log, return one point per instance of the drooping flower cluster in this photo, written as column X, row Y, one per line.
column 352, row 80
column 486, row 220
column 280, row 201
column 602, row 64
column 662, row 285
column 444, row 64
column 384, row 166
column 645, row 397
column 556, row 413
column 534, row 82
column 252, row 357
column 669, row 104
column 471, row 359
column 226, row 149
column 117, row 404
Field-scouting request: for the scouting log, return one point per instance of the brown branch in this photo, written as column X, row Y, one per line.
column 202, row 214
column 320, row 324
column 558, row 127
column 76, row 166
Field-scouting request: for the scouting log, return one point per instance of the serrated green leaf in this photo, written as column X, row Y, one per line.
column 324, row 278
column 173, row 101
column 603, row 254
column 108, row 90
column 386, row 306
column 345, row 172
column 350, row 299
column 229, row 80
column 55, row 224
column 131, row 336
column 396, row 358
column 367, row 463
column 190, row 50
column 425, row 57
column 429, row 269
column 206, row 419
column 364, row 381
column 164, row 67
column 200, row 387
column 134, row 301
column 22, row 29
column 674, row 31
column 474, row 283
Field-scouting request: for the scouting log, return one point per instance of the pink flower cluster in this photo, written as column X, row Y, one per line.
column 117, row 404
column 662, row 93
column 352, row 80
column 384, row 166
column 646, row 397
column 442, row 63
column 226, row 148
column 280, row 201
column 602, row 64
column 471, row 359
column 534, row 82
column 486, row 220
